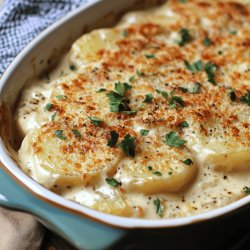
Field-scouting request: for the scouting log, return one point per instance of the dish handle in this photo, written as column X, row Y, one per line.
column 82, row 232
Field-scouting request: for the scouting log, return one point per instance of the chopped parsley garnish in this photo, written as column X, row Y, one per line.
column 60, row 97
column 128, row 145
column 140, row 73
column 113, row 139
column 148, row 98
column 49, row 106
column 184, row 90
column 53, row 117
column 207, row 42
column 196, row 88
column 185, row 37
column 170, row 173
column 72, row 67
column 158, row 173
column 234, row 32
column 172, row 140
column 163, row 93
column 121, row 88
column 195, row 67
column 125, row 33
column 176, row 99
column 159, row 207
column 101, row 90
column 113, row 182
column 246, row 190
column 184, row 124
column 117, row 100
column 210, row 69
column 59, row 134
column 144, row 132
column 95, row 121
column 76, row 133
column 131, row 78
column 149, row 56
column 150, row 168
column 232, row 95
column 246, row 98
column 188, row 161
column 182, row 1
column 131, row 112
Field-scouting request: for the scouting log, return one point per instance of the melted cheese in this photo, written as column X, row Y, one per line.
column 155, row 51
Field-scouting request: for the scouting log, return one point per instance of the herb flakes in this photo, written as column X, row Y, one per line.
column 59, row 134
column 128, row 145
column 113, row 139
column 95, row 121
column 144, row 132
column 188, row 161
column 113, row 182
column 76, row 133
column 246, row 98
column 185, row 37
column 172, row 140
column 159, row 207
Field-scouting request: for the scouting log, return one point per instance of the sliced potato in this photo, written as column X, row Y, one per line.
column 157, row 168
column 86, row 48
column 69, row 156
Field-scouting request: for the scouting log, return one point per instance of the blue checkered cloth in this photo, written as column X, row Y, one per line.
column 22, row 20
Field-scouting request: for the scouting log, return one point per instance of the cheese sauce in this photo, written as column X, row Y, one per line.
column 155, row 183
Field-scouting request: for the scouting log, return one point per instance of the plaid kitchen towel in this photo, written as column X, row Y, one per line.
column 23, row 20
column 20, row 22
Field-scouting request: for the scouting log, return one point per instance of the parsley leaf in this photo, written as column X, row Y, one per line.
column 246, row 98
column 184, row 124
column 144, row 132
column 232, row 95
column 128, row 145
column 148, row 98
column 195, row 67
column 49, row 106
column 210, row 69
column 60, row 97
column 117, row 101
column 100, row 90
column 159, row 207
column 163, row 93
column 158, row 173
column 184, row 90
column 113, row 182
column 131, row 78
column 140, row 73
column 53, row 117
column 172, row 140
column 59, row 134
column 113, row 139
column 185, row 37
column 95, row 121
column 174, row 100
column 150, row 168
column 207, row 42
column 121, row 88
column 76, row 133
column 149, row 56
column 246, row 190
column 196, row 88
column 188, row 161
column 131, row 112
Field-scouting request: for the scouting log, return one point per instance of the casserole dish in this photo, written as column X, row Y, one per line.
column 85, row 228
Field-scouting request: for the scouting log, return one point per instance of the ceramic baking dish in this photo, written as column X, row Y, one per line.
column 83, row 227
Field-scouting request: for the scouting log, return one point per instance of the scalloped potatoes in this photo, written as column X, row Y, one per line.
column 147, row 119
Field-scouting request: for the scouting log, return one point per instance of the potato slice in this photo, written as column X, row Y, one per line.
column 63, row 156
column 86, row 49
column 157, row 168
